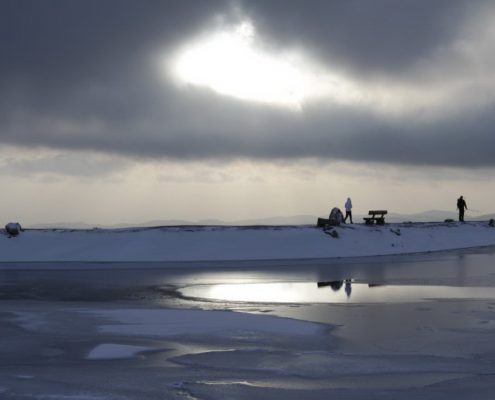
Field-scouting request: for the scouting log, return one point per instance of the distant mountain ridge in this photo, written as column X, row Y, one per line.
column 289, row 220
column 304, row 219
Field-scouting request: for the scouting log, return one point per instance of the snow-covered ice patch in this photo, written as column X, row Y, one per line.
column 194, row 322
column 29, row 320
column 112, row 351
column 72, row 397
column 323, row 364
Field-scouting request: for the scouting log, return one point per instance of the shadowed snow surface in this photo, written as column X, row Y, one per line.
column 212, row 243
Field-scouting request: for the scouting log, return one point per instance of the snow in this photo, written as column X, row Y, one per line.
column 30, row 321
column 223, row 243
column 112, row 351
column 71, row 397
column 163, row 323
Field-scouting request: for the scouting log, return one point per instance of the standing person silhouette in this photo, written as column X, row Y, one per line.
column 461, row 206
column 348, row 210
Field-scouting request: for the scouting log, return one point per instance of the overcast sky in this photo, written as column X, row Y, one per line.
column 124, row 111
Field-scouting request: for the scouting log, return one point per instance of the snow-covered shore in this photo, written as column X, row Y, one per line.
column 221, row 243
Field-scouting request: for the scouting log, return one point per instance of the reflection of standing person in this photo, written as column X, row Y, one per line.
column 348, row 209
column 461, row 206
column 348, row 287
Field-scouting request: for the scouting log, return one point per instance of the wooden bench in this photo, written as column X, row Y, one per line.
column 377, row 216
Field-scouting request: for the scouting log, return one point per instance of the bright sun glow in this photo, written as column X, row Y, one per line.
column 232, row 62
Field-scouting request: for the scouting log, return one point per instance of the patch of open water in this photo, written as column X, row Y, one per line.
column 342, row 291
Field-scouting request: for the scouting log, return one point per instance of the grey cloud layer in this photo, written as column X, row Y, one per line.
column 367, row 37
column 74, row 165
column 78, row 75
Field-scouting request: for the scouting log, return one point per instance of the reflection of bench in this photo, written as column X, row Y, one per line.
column 377, row 216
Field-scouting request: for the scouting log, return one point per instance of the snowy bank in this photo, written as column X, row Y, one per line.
column 221, row 243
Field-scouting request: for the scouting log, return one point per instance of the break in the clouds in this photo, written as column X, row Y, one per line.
column 400, row 82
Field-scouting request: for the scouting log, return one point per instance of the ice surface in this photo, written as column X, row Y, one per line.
column 110, row 351
column 194, row 322
column 72, row 397
column 51, row 321
column 30, row 320
column 322, row 364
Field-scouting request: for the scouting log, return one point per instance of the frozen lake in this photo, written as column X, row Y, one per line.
column 409, row 327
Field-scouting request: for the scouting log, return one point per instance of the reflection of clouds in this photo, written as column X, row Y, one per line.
column 303, row 292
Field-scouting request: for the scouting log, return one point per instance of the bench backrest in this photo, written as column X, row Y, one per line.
column 374, row 212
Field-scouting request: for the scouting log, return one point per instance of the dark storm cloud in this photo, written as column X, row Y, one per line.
column 379, row 36
column 78, row 75
column 54, row 49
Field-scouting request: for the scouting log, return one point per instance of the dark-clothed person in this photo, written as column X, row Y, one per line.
column 461, row 206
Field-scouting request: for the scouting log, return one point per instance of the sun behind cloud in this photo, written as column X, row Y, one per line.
column 234, row 62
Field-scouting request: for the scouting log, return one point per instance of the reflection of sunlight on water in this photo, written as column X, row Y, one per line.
column 332, row 292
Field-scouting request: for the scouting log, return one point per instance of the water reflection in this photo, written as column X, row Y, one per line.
column 337, row 285
column 342, row 291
